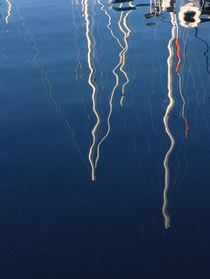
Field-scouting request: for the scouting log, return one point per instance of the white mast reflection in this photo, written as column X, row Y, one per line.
column 115, row 74
column 126, row 33
column 122, row 23
column 109, row 23
column 9, row 9
column 83, row 6
column 91, row 81
column 183, row 110
column 166, row 117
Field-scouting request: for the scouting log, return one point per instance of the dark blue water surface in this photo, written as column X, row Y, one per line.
column 104, row 139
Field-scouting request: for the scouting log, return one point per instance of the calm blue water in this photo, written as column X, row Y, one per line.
column 104, row 139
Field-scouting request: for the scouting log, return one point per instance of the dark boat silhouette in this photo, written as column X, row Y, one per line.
column 120, row 1
column 124, row 9
column 143, row 5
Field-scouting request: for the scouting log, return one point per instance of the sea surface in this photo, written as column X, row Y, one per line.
column 104, row 139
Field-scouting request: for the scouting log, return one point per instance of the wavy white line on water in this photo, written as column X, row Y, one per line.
column 110, row 110
column 91, row 82
column 9, row 9
column 122, row 24
column 126, row 36
column 178, row 54
column 115, row 74
column 166, row 118
column 109, row 23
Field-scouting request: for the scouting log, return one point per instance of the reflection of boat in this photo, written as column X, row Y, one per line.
column 155, row 9
column 194, row 12
column 189, row 14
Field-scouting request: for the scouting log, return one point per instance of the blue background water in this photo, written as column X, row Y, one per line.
column 55, row 222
